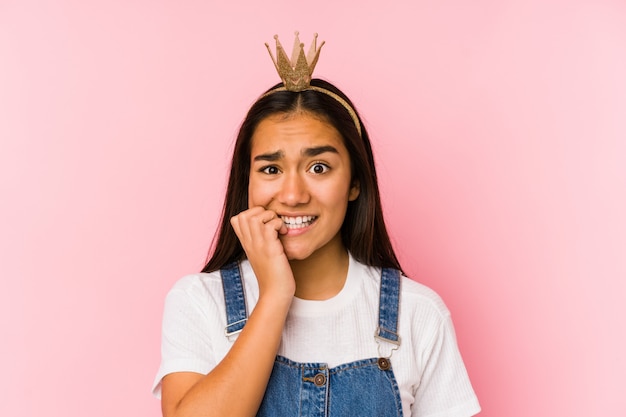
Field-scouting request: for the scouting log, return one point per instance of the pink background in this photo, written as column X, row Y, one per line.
column 500, row 134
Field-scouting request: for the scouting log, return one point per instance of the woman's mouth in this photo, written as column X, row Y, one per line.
column 298, row 222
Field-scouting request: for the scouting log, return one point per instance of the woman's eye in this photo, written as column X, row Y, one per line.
column 319, row 168
column 270, row 170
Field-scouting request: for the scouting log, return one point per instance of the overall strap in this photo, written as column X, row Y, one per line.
column 388, row 306
column 234, row 298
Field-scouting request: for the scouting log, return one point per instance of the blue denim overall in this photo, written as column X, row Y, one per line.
column 366, row 387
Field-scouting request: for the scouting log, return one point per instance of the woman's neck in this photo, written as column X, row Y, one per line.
column 323, row 274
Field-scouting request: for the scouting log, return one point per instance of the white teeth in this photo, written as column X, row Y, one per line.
column 297, row 222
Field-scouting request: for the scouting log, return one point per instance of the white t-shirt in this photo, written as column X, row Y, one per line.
column 427, row 366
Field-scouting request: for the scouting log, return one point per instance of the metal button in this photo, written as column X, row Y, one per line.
column 319, row 380
column 384, row 364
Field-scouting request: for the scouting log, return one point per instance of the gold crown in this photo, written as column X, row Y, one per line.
column 296, row 72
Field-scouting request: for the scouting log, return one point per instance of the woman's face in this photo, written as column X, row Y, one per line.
column 300, row 169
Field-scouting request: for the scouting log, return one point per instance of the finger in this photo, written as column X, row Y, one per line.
column 240, row 222
column 268, row 216
column 277, row 225
column 251, row 225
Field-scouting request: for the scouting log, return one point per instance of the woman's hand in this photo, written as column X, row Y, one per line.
column 258, row 230
column 235, row 387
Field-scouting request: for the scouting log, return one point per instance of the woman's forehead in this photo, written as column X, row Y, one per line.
column 297, row 131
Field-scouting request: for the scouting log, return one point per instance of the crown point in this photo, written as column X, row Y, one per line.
column 295, row 72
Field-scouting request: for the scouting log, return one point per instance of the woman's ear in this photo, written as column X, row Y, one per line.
column 355, row 190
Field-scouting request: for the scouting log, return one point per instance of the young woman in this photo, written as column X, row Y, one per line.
column 302, row 309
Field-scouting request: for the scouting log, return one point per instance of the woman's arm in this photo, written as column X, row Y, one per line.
column 235, row 387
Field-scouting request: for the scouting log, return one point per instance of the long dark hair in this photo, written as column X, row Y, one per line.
column 363, row 231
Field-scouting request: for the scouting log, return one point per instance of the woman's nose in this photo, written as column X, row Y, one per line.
column 293, row 190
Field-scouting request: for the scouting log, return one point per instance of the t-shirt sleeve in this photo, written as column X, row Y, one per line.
column 185, row 342
column 445, row 389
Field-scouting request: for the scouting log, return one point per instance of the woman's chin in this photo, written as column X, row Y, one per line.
column 297, row 252
column 297, row 255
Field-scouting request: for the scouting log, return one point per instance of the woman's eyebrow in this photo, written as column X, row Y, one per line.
column 274, row 156
column 309, row 152
column 318, row 150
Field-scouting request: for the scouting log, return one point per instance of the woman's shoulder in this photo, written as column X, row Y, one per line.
column 415, row 292
column 196, row 281
column 204, row 285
